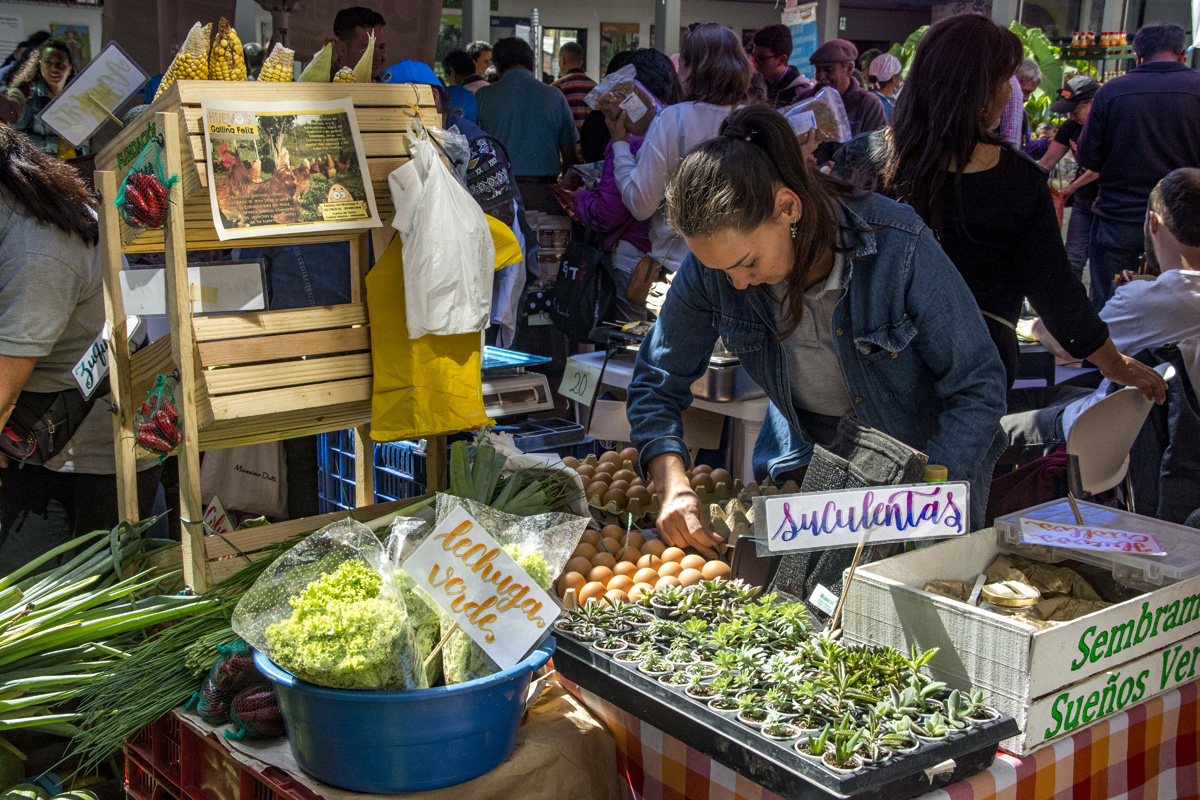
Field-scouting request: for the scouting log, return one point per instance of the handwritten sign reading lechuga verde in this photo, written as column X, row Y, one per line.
column 1108, row 540
column 479, row 585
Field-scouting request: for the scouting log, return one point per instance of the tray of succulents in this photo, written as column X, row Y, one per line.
column 743, row 679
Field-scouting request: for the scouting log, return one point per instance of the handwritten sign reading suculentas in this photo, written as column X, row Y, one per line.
column 1036, row 531
column 479, row 585
column 819, row 520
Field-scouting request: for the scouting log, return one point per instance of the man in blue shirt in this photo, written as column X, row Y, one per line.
column 532, row 120
column 1142, row 126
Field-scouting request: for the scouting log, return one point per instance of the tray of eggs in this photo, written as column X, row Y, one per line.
column 614, row 490
column 623, row 565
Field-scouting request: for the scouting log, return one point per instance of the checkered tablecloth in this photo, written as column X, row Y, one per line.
column 1149, row 752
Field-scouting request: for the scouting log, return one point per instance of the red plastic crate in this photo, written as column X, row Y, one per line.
column 170, row 760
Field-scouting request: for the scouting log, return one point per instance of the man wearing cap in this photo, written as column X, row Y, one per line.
column 884, row 73
column 772, row 47
column 834, row 61
column 1142, row 126
column 1075, row 102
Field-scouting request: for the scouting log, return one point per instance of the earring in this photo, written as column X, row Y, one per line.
column 795, row 225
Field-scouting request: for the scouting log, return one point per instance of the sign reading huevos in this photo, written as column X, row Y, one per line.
column 479, row 585
column 820, row 520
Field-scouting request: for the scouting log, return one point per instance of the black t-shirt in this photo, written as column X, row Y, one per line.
column 1069, row 135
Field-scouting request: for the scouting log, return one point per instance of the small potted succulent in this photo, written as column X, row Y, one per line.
column 932, row 728
column 842, row 756
column 780, row 730
column 898, row 736
column 697, row 689
column 663, row 630
column 724, row 700
column 751, row 711
column 631, row 656
column 665, row 601
column 681, row 652
column 702, row 670
column 676, row 679
column 781, row 704
column 610, row 644
column 980, row 713
column 654, row 665
column 637, row 637
column 580, row 631
column 814, row 745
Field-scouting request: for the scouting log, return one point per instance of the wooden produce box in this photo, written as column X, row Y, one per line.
column 1053, row 681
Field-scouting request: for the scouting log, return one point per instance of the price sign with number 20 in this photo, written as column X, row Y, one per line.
column 580, row 381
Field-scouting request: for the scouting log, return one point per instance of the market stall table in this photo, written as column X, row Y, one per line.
column 1151, row 750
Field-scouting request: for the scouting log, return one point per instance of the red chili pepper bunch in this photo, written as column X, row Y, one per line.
column 158, row 427
column 145, row 201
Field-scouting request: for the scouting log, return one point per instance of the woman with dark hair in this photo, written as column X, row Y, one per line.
column 42, row 82
column 988, row 204
column 716, row 75
column 603, row 209
column 51, row 310
column 838, row 303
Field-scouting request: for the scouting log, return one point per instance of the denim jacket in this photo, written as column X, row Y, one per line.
column 915, row 354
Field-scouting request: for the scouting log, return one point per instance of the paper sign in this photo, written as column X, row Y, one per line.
column 12, row 33
column 90, row 370
column 580, row 381
column 824, row 599
column 821, row 520
column 215, row 518
column 479, row 585
column 99, row 90
column 1034, row 531
column 223, row 288
column 801, row 20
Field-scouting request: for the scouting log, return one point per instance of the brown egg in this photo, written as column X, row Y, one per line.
column 612, row 546
column 570, row 462
column 607, row 468
column 586, row 471
column 625, row 568
column 618, row 484
column 690, row 577
column 693, row 562
column 584, row 550
column 629, row 454
column 590, row 537
column 637, row 482
column 604, row 560
column 601, row 573
column 579, row 564
column 670, row 568
column 622, row 582
column 570, row 580
column 591, row 592
column 673, row 554
column 667, row 581
column 616, row 596
column 610, row 457
column 715, row 569
column 638, row 590
column 649, row 561
column 596, row 489
column 616, row 497
column 626, row 475
column 704, row 481
column 701, row 469
column 720, row 476
column 636, row 540
column 646, row 575
column 630, row 554
column 654, row 547
column 650, row 486
column 638, row 494
column 612, row 532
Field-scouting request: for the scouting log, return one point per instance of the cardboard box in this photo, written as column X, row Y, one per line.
column 1045, row 679
column 701, row 429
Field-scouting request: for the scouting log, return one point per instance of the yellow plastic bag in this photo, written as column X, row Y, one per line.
column 432, row 385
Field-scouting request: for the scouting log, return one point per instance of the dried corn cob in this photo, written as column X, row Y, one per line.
column 192, row 61
column 226, row 61
column 344, row 75
column 278, row 67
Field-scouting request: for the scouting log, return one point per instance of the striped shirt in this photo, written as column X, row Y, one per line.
column 575, row 85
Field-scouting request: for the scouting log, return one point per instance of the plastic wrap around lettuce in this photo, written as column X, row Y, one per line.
column 331, row 612
column 541, row 545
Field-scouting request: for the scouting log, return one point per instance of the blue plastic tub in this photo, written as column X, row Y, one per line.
column 406, row 741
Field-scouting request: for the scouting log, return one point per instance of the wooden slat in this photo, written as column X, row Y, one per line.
column 232, row 380
column 151, row 243
column 285, row 425
column 231, row 352
column 189, row 93
column 147, row 364
column 268, row 323
column 329, row 393
column 370, row 120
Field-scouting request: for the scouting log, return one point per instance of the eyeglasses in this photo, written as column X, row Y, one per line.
column 765, row 59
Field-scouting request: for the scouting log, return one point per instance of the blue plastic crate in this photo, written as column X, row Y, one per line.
column 400, row 471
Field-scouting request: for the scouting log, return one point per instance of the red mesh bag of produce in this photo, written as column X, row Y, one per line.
column 255, row 714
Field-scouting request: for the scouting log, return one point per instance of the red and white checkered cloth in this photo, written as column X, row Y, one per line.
column 1149, row 752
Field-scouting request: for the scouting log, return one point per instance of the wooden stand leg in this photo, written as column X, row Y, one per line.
column 183, row 345
column 435, row 464
column 119, row 372
column 364, row 467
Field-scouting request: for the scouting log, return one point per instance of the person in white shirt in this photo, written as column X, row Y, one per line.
column 716, row 73
column 1142, row 315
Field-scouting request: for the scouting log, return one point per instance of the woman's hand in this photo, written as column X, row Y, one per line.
column 682, row 521
column 1068, row 191
column 565, row 198
column 809, row 143
column 1131, row 372
column 618, row 125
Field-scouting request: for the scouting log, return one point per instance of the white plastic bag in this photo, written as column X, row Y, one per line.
column 448, row 253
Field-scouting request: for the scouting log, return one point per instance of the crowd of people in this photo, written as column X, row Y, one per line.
column 880, row 279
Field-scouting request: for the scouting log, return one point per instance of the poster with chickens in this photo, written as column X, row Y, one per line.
column 286, row 168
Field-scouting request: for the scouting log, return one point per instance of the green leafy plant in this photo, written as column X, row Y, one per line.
column 817, row 743
column 846, row 744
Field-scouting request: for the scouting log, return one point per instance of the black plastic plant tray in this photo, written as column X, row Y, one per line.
column 773, row 765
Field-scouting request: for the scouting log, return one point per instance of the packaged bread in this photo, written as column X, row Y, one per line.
column 619, row 91
column 823, row 111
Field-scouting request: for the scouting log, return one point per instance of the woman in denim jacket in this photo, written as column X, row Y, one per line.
column 837, row 302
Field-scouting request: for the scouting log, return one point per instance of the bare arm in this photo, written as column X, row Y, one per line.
column 1087, row 177
column 1054, row 154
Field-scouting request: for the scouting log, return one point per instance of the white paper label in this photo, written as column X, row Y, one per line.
column 215, row 518
column 820, row 520
column 482, row 589
column 90, row 370
column 1108, row 540
column 237, row 287
column 102, row 87
column 803, row 121
column 580, row 381
column 824, row 599
column 635, row 109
